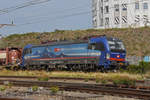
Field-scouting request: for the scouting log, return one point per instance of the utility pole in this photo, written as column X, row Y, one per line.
column 2, row 25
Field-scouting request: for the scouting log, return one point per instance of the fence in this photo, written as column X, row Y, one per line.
column 134, row 60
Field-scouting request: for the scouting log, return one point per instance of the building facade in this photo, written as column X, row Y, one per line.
column 120, row 13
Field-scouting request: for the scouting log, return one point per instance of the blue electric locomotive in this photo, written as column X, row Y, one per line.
column 94, row 53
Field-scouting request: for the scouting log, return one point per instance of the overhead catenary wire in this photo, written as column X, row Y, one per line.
column 23, row 5
column 53, row 19
column 69, row 15
column 56, row 18
column 33, row 2
column 55, row 12
column 46, row 18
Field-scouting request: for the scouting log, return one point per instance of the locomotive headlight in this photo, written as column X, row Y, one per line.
column 107, row 56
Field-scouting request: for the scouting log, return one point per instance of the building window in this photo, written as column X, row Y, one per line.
column 136, row 5
column 145, row 5
column 107, row 9
column 101, row 22
column 124, row 19
column 95, row 23
column 107, row 21
column 101, row 9
column 116, row 7
column 117, row 20
column 124, row 7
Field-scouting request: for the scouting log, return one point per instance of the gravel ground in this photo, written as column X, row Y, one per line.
column 45, row 94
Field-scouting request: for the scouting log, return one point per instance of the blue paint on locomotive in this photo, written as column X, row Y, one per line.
column 109, row 51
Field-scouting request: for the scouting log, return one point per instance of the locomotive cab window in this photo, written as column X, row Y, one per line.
column 91, row 46
column 116, row 45
column 24, row 52
column 27, row 51
column 97, row 46
column 100, row 46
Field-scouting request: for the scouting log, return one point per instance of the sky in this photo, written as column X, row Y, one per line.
column 46, row 17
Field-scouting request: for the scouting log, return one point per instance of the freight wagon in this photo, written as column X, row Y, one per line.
column 10, row 56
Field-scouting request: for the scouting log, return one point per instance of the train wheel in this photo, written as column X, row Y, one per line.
column 69, row 67
column 23, row 68
column 28, row 68
column 46, row 68
column 114, row 70
column 124, row 67
column 96, row 68
column 102, row 69
column 15, row 68
column 8, row 68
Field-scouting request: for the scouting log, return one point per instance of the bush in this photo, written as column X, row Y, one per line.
column 2, row 88
column 142, row 68
column 116, row 82
column 133, row 69
column 43, row 78
column 34, row 88
column 86, row 80
column 124, row 82
column 97, row 80
column 145, row 66
column 9, row 85
column 54, row 89
column 103, row 81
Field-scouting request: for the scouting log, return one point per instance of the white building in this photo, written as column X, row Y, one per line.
column 120, row 13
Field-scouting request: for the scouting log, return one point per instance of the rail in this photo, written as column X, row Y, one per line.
column 13, row 99
column 85, row 87
column 63, row 78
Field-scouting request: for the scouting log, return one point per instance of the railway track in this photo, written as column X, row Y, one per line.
column 75, row 79
column 59, row 78
column 85, row 87
column 12, row 99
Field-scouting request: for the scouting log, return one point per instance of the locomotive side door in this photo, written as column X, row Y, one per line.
column 102, row 49
column 27, row 58
column 93, row 53
column 97, row 50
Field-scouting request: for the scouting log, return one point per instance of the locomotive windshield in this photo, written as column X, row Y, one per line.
column 116, row 45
